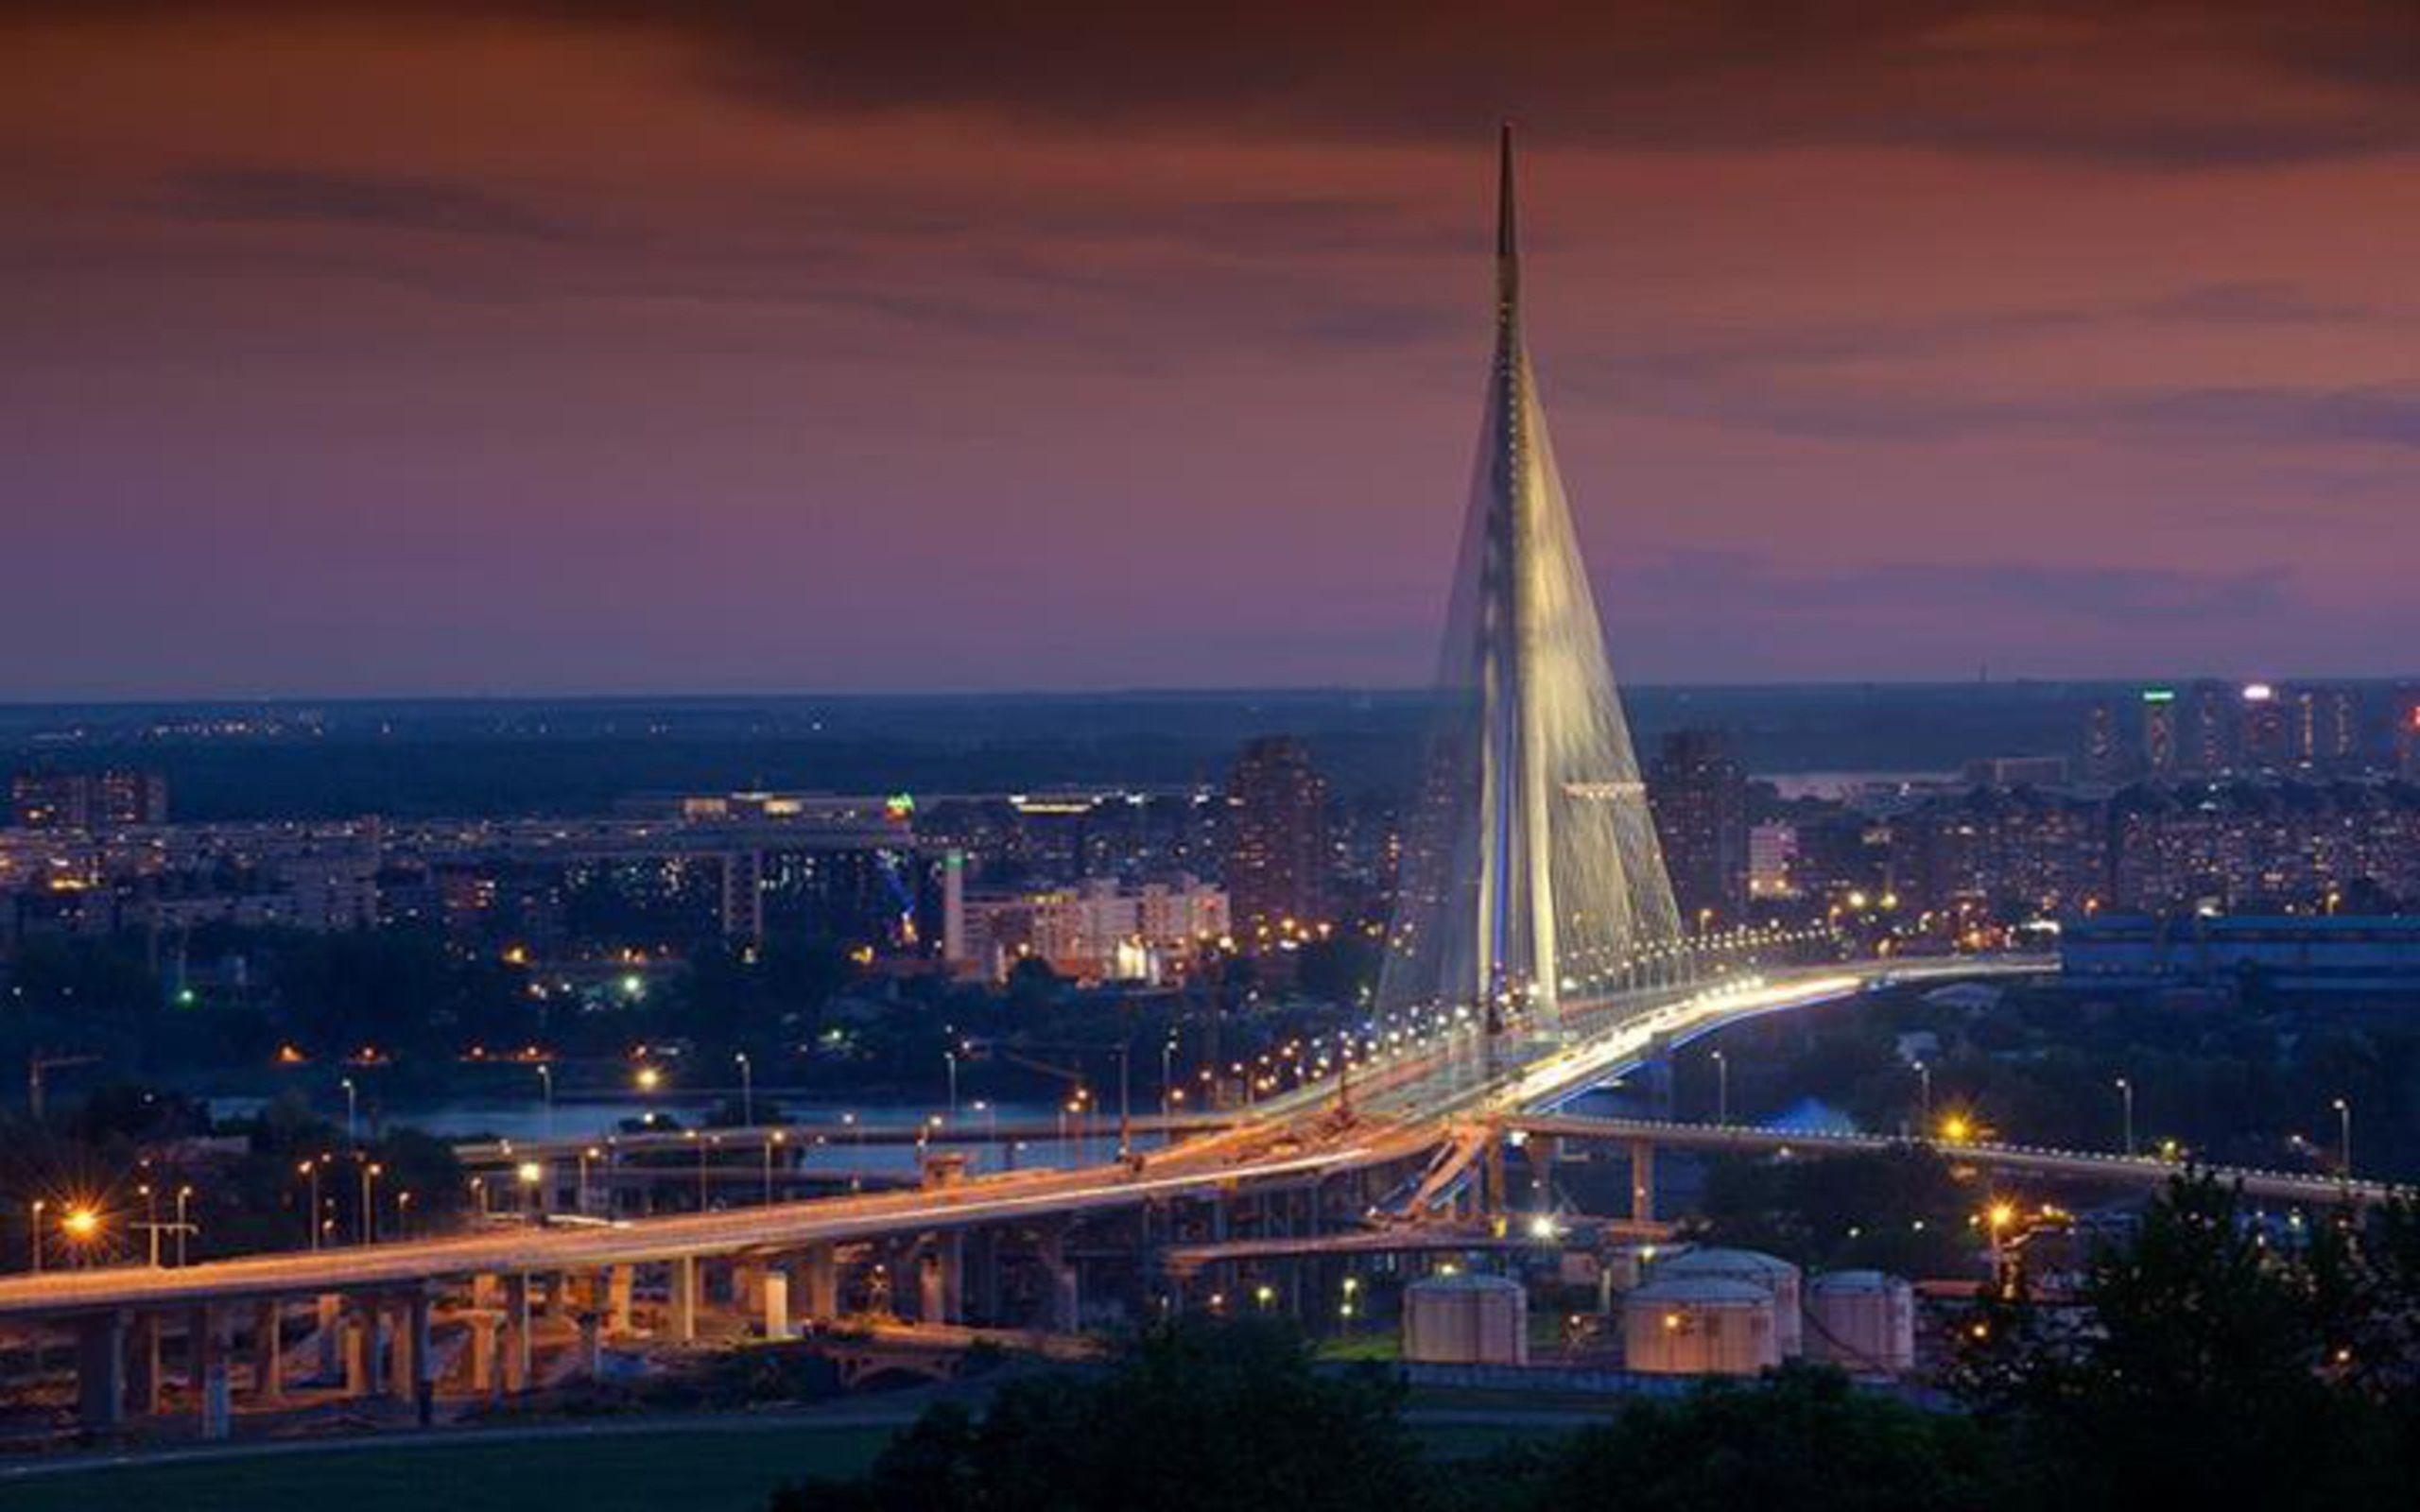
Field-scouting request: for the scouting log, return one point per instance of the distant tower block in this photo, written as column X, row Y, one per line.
column 1532, row 872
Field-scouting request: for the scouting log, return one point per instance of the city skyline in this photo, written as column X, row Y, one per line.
column 564, row 355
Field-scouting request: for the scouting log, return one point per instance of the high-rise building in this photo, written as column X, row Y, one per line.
column 2210, row 743
column 2327, row 728
column 2159, row 733
column 1699, row 797
column 89, row 800
column 2103, row 758
column 1277, row 854
column 2264, row 741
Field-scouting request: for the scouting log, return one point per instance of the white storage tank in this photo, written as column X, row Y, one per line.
column 1700, row 1326
column 1466, row 1319
column 1862, row 1321
column 1779, row 1279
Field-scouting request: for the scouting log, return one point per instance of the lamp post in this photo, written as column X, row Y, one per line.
column 1168, row 1059
column 1923, row 1095
column 371, row 1171
column 184, row 1227
column 849, row 1122
column 1721, row 1089
column 586, row 1155
column 34, row 1233
column 152, row 1220
column 949, row 1058
column 771, row 1139
column 310, row 1170
column 546, row 1098
column 747, row 1091
column 2344, row 1135
column 2126, row 1096
column 352, row 1106
column 403, row 1214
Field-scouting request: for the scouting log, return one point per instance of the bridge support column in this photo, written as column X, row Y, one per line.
column 941, row 1276
column 775, row 1288
column 618, row 1285
column 684, row 1298
column 329, row 1313
column 100, row 1372
column 358, row 1331
column 207, row 1349
column 591, row 1344
column 1067, row 1299
column 821, row 1271
column 1642, row 1181
column 144, row 1363
column 484, row 1326
column 269, row 1354
column 519, row 1351
column 402, row 1368
column 418, row 1316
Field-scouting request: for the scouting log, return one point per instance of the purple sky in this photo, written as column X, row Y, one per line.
column 556, row 348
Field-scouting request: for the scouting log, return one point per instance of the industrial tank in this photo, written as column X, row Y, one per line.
column 1700, row 1325
column 1466, row 1319
column 1779, row 1279
column 1862, row 1321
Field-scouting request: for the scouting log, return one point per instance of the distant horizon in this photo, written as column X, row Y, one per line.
column 1171, row 691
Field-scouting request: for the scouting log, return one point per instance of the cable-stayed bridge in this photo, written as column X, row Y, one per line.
column 1536, row 952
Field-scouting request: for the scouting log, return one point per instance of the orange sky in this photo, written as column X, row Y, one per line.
column 495, row 348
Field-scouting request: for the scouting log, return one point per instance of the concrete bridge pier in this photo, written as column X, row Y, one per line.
column 206, row 1351
column 100, row 1372
column 1067, row 1295
column 683, row 1303
column 144, row 1373
column 269, row 1354
column 591, row 1344
column 941, row 1278
column 819, row 1273
column 619, row 1283
column 481, row 1374
column 775, row 1290
column 358, row 1332
column 406, row 1323
column 519, row 1350
column 328, row 1310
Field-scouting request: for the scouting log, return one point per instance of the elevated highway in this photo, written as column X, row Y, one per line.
column 1298, row 1154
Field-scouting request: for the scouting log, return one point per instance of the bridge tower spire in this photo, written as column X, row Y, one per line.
column 1532, row 870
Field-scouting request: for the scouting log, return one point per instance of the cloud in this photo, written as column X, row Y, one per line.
column 2179, row 83
column 385, row 201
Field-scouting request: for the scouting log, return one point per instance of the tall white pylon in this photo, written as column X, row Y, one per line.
column 1532, row 871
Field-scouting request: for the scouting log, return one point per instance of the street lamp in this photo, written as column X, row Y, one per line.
column 1923, row 1103
column 949, row 1058
column 184, row 1229
column 310, row 1169
column 2126, row 1093
column 1721, row 1089
column 371, row 1171
column 586, row 1155
column 530, row 1175
column 546, row 1097
column 777, row 1137
column 352, row 1106
column 82, row 1225
column 403, row 1214
column 2344, row 1135
column 34, row 1233
column 747, row 1091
